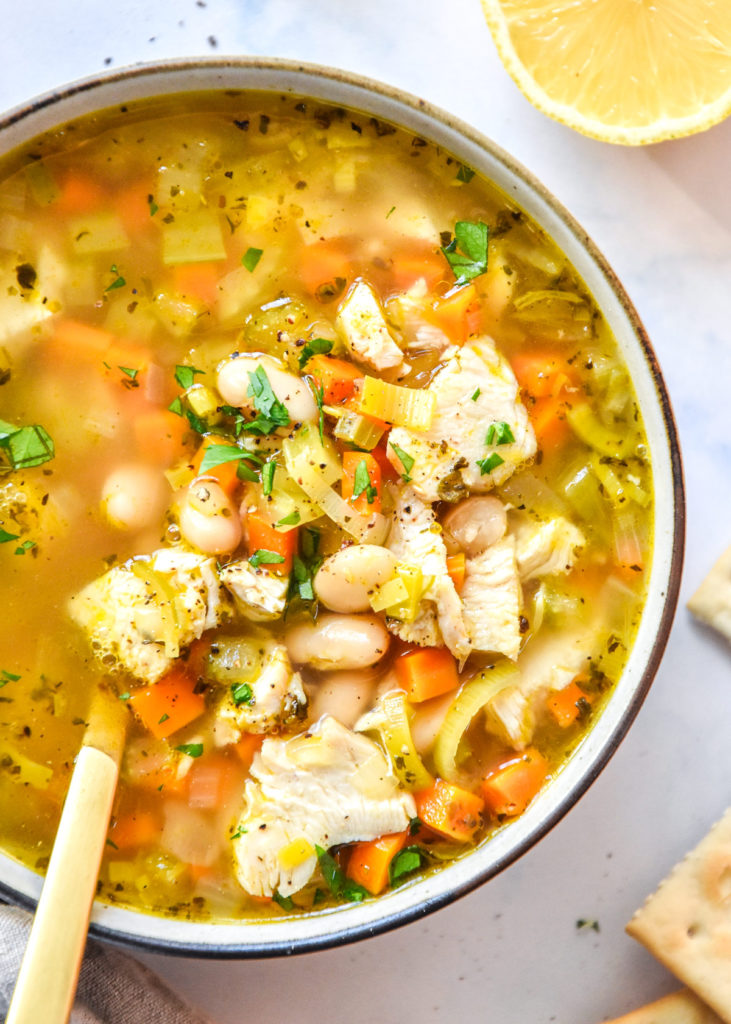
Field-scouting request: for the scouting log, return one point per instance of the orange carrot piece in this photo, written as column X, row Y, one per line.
column 125, row 355
column 264, row 537
column 133, row 207
column 167, row 706
column 566, row 705
column 509, row 789
column 456, row 569
column 337, row 377
column 369, row 862
column 426, row 672
column 79, row 193
column 247, row 746
column 324, row 266
column 135, row 829
column 388, row 472
column 212, row 780
column 450, row 313
column 449, row 810
column 541, row 373
column 75, row 340
column 409, row 265
column 198, row 281
column 473, row 319
column 351, row 461
column 225, row 473
column 160, row 436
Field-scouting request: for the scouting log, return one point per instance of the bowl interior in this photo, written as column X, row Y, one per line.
column 414, row 900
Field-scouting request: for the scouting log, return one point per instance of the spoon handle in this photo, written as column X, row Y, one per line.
column 46, row 984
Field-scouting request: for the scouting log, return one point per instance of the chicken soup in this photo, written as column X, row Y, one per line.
column 317, row 451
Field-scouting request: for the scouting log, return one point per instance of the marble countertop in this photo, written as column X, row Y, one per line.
column 509, row 952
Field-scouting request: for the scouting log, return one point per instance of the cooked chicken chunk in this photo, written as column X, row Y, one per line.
column 269, row 696
column 475, row 389
column 363, row 325
column 140, row 615
column 409, row 309
column 492, row 599
column 326, row 787
column 415, row 539
column 546, row 549
column 258, row 594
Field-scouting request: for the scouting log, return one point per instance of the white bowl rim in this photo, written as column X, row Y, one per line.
column 224, row 940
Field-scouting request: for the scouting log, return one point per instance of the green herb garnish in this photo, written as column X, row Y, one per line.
column 314, row 347
column 129, row 371
column 290, row 520
column 118, row 282
column 406, row 460
column 476, row 394
column 390, row 212
column 263, row 557
column 319, row 392
column 27, row 545
column 26, row 446
column 406, row 861
column 489, row 463
column 285, row 902
column 242, row 694
column 185, row 376
column 304, row 567
column 218, row 454
column 362, row 482
column 465, row 173
column 251, row 257
column 153, row 205
column 239, row 832
column 7, row 677
column 125, row 696
column 499, row 433
column 467, row 252
column 191, row 749
column 271, row 412
column 163, row 718
column 5, row 537
column 267, row 477
column 340, row 886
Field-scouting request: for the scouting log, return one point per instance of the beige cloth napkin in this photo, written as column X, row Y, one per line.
column 113, row 988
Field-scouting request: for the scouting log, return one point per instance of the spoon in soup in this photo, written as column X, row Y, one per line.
column 46, row 983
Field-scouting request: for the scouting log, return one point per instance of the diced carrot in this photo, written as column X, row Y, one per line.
column 369, row 861
column 213, row 779
column 79, row 193
column 76, row 340
column 548, row 416
column 337, row 377
column 264, row 537
column 546, row 378
column 198, row 281
column 418, row 261
column 325, row 268
column 167, row 706
column 426, row 672
column 197, row 658
column 456, row 569
column 565, row 704
column 133, row 208
column 197, row 872
column 126, row 362
column 160, row 436
column 509, row 789
column 225, row 473
column 135, row 829
column 450, row 313
column 351, row 461
column 247, row 746
column 389, row 473
column 449, row 810
column 473, row 319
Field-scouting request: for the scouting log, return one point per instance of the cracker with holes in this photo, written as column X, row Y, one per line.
column 686, row 924
column 678, row 1008
column 711, row 602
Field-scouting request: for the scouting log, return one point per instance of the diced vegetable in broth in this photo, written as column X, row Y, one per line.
column 319, row 451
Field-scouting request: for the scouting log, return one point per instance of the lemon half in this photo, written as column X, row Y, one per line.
column 626, row 71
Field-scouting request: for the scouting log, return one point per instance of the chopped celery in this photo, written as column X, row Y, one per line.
column 390, row 719
column 305, row 443
column 204, row 402
column 583, row 492
column 415, row 585
column 472, row 696
column 193, row 237
column 403, row 407
column 391, row 593
column 361, row 431
column 588, row 428
column 97, row 233
column 178, row 315
column 613, row 486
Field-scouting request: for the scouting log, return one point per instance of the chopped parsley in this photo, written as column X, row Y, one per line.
column 110, row 842
column 406, row 460
column 25, row 446
column 5, row 537
column 185, row 376
column 239, row 832
column 467, row 252
column 406, row 861
column 245, row 472
column 118, row 282
column 499, row 433
column 162, row 719
column 218, row 454
column 362, row 482
column 191, row 749
column 129, row 371
column 271, row 412
column 414, row 826
column 125, row 696
column 465, row 173
column 285, row 902
column 319, row 392
column 340, row 886
column 314, row 347
column 153, row 205
column 7, row 677
column 263, row 557
column 390, row 212
column 305, row 566
column 290, row 520
column 489, row 463
column 27, row 545
column 242, row 694
column 475, row 394
column 251, row 257
column 267, row 477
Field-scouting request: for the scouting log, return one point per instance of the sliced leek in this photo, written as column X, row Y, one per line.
column 393, row 726
column 589, row 429
column 361, row 431
column 329, row 501
column 547, row 295
column 403, row 407
column 305, row 444
column 390, row 594
column 473, row 696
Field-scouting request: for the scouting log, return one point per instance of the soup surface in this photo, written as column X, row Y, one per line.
column 316, row 450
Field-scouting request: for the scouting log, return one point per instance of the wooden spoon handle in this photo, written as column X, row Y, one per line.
column 49, row 972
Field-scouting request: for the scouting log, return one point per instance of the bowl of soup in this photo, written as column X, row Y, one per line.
column 331, row 444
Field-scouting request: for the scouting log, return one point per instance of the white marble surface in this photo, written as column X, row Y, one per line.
column 511, row 951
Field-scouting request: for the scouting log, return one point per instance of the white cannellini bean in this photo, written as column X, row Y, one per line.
column 427, row 721
column 233, row 384
column 347, row 579
column 338, row 642
column 344, row 695
column 134, row 496
column 208, row 519
column 474, row 524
